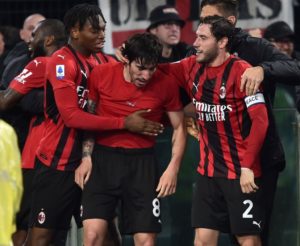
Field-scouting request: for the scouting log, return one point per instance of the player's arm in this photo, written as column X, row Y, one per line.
column 275, row 66
column 30, row 78
column 9, row 98
column 83, row 172
column 168, row 180
column 32, row 103
column 259, row 119
column 66, row 100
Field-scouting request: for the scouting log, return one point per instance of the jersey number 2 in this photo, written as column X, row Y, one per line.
column 247, row 214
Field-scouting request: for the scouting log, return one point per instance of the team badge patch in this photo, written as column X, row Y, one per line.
column 222, row 92
column 41, row 217
column 255, row 99
column 60, row 71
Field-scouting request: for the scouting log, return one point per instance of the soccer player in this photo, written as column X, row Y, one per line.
column 227, row 196
column 59, row 152
column 124, row 166
column 47, row 36
column 269, row 66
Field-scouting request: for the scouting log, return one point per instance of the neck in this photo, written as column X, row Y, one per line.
column 219, row 60
column 126, row 74
column 51, row 50
column 79, row 48
column 167, row 51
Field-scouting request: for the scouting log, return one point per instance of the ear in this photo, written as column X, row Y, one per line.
column 223, row 43
column 48, row 41
column 232, row 19
column 22, row 34
column 74, row 33
column 153, row 30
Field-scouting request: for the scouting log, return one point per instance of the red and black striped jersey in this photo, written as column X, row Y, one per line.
column 32, row 77
column 65, row 101
column 232, row 125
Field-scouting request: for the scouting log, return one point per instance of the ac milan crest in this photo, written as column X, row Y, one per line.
column 222, row 92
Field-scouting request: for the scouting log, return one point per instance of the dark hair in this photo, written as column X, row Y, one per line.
column 144, row 47
column 220, row 27
column 54, row 27
column 226, row 7
column 80, row 14
column 10, row 36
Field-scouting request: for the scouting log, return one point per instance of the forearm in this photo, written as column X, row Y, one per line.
column 178, row 146
column 256, row 136
column 9, row 98
column 74, row 117
column 89, row 137
column 79, row 119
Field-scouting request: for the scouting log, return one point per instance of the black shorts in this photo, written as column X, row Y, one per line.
column 55, row 197
column 22, row 218
column 129, row 176
column 219, row 204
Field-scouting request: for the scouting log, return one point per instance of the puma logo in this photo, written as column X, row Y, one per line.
column 61, row 56
column 131, row 104
column 36, row 62
column 257, row 223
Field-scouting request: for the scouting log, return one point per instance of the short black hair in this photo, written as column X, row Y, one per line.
column 143, row 47
column 80, row 13
column 55, row 28
column 226, row 7
column 220, row 27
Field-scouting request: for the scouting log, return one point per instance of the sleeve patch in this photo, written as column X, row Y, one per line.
column 255, row 99
column 60, row 71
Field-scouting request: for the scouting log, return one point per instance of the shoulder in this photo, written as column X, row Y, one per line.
column 64, row 61
column 240, row 63
column 63, row 55
column 107, row 68
column 38, row 63
column 239, row 66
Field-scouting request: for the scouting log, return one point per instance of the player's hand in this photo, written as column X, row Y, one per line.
column 83, row 172
column 120, row 57
column 136, row 123
column 251, row 80
column 247, row 181
column 192, row 127
column 167, row 182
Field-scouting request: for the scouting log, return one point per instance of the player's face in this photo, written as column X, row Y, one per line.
column 140, row 74
column 168, row 33
column 205, row 44
column 91, row 40
column 36, row 43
